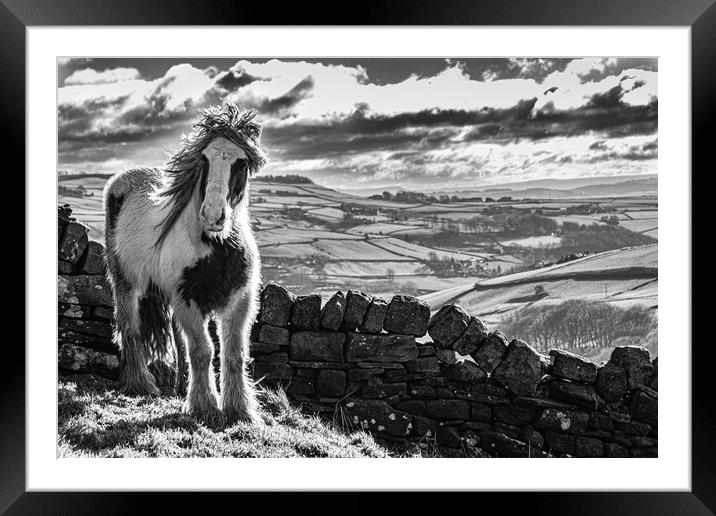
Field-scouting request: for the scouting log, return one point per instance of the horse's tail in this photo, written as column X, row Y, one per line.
column 155, row 322
column 113, row 196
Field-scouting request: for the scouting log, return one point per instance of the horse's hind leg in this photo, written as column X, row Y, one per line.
column 134, row 373
column 238, row 393
column 202, row 399
column 182, row 368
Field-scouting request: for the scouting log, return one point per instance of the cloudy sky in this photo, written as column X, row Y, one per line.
column 424, row 124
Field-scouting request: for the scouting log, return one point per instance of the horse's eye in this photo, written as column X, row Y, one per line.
column 237, row 181
column 238, row 165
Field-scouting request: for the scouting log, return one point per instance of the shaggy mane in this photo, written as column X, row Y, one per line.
column 187, row 167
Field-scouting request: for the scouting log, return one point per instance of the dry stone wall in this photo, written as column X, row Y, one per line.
column 84, row 302
column 391, row 368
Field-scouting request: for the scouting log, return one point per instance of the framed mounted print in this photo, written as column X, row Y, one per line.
column 450, row 239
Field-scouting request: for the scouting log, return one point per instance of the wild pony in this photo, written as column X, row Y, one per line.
column 180, row 251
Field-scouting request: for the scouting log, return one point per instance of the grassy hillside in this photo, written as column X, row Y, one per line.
column 623, row 278
column 94, row 420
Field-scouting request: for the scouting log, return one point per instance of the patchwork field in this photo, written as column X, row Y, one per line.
column 315, row 239
column 640, row 222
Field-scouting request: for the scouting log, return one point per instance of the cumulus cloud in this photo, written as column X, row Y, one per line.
column 131, row 108
column 337, row 90
column 521, row 117
column 536, row 68
column 586, row 66
column 90, row 76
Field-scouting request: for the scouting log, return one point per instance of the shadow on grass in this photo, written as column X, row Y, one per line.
column 94, row 419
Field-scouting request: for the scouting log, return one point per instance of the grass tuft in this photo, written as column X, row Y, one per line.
column 95, row 420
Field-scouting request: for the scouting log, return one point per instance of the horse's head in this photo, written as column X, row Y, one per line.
column 224, row 183
column 216, row 160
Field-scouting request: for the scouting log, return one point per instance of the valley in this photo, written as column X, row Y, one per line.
column 316, row 239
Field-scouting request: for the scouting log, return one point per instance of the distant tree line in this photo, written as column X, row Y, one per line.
column 528, row 224
column 78, row 191
column 408, row 196
column 449, row 267
column 610, row 219
column 583, row 209
column 360, row 209
column 287, row 179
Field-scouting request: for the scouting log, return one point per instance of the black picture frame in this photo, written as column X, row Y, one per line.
column 699, row 15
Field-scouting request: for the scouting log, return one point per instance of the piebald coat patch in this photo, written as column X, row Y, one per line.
column 210, row 282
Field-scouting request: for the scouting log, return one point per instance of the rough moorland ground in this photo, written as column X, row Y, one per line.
column 94, row 420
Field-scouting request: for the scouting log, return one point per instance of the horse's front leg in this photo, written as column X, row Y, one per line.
column 238, row 393
column 202, row 398
column 182, row 368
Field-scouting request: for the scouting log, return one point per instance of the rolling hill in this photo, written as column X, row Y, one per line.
column 622, row 277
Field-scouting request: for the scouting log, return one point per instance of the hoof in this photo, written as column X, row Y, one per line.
column 236, row 415
column 207, row 413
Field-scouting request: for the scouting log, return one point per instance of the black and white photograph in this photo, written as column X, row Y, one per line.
column 450, row 236
column 358, row 257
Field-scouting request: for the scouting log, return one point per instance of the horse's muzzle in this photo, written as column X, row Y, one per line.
column 212, row 223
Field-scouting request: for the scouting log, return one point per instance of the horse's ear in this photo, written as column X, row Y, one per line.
column 256, row 131
column 257, row 157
